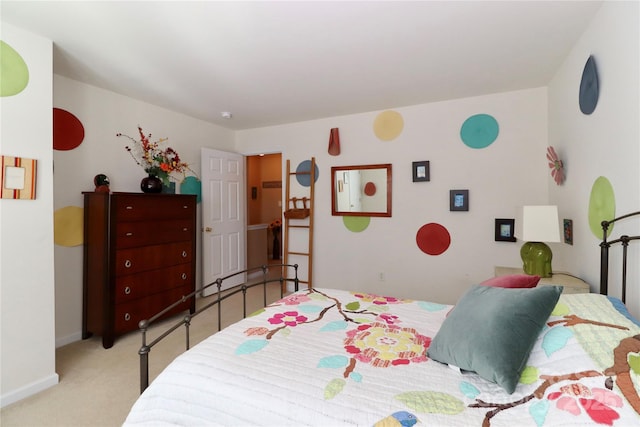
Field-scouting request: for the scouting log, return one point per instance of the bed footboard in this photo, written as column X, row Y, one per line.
column 219, row 297
column 605, row 245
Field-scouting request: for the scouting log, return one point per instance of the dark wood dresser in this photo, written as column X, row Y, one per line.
column 139, row 257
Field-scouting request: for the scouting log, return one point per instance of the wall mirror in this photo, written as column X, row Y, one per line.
column 362, row 190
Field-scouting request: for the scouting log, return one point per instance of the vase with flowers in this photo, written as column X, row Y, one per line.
column 275, row 229
column 156, row 161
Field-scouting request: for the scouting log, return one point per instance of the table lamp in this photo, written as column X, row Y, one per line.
column 539, row 224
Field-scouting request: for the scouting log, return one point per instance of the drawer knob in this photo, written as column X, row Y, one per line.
column 127, row 290
column 185, row 207
column 127, row 317
column 184, row 276
column 129, row 234
column 129, row 207
column 185, row 229
column 127, row 263
column 184, row 254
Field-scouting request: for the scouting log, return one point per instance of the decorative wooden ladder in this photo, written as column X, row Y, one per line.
column 298, row 215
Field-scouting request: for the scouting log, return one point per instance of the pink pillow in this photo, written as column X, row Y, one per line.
column 512, row 281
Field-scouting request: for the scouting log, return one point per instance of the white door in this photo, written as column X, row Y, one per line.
column 223, row 222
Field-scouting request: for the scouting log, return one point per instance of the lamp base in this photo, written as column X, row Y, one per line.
column 536, row 259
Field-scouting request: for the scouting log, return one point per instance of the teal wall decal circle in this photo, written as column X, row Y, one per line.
column 192, row 185
column 479, row 131
column 305, row 180
column 14, row 71
column 356, row 223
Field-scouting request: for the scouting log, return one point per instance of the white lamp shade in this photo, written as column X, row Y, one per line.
column 539, row 224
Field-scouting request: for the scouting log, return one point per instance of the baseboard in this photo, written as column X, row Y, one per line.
column 68, row 339
column 28, row 390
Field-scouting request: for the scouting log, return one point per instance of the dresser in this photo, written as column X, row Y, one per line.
column 139, row 257
column 570, row 283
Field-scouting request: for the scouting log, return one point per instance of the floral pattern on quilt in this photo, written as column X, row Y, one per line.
column 574, row 396
column 373, row 335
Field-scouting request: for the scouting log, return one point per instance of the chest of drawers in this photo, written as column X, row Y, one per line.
column 139, row 257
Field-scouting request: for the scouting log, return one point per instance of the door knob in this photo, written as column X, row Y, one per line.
column 208, row 229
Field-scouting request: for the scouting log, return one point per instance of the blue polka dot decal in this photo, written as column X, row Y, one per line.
column 305, row 180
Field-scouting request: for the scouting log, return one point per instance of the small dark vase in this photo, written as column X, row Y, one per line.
column 151, row 184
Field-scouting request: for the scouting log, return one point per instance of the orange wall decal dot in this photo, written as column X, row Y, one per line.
column 369, row 188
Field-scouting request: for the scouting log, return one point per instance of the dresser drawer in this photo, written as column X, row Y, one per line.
column 140, row 285
column 152, row 207
column 132, row 234
column 136, row 260
column 129, row 314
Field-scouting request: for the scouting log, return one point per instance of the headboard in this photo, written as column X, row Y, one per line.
column 604, row 254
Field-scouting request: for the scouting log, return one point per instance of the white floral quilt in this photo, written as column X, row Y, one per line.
column 327, row 357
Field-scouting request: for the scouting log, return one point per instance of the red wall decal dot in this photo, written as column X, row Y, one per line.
column 433, row 239
column 68, row 131
column 369, row 188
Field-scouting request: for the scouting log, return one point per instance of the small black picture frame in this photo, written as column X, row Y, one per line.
column 421, row 171
column 568, row 231
column 504, row 230
column 459, row 200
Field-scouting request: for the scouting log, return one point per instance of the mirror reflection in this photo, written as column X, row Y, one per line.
column 361, row 190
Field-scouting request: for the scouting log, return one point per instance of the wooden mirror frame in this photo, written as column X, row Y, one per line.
column 335, row 183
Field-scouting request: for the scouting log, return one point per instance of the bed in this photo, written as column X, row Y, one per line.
column 500, row 357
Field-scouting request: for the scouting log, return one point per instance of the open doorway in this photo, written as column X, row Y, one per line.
column 264, row 207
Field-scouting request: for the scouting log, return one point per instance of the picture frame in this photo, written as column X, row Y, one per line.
column 504, row 230
column 18, row 178
column 459, row 200
column 421, row 171
column 567, row 227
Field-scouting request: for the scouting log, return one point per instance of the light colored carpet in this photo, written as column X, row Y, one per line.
column 98, row 387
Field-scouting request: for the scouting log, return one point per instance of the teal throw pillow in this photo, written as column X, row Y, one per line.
column 491, row 331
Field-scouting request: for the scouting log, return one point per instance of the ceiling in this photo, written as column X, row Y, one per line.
column 274, row 62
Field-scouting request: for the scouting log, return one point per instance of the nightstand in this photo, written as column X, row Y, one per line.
column 570, row 283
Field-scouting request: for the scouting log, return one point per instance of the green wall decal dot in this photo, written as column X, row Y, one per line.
column 14, row 73
column 602, row 205
column 192, row 185
column 356, row 223
column 305, row 180
column 479, row 131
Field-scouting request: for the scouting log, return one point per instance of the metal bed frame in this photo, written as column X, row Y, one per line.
column 220, row 296
column 604, row 255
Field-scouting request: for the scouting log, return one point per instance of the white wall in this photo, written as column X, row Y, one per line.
column 604, row 143
column 510, row 172
column 26, row 242
column 103, row 114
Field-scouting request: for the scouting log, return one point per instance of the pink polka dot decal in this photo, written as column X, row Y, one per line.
column 68, row 131
column 433, row 239
column 369, row 188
